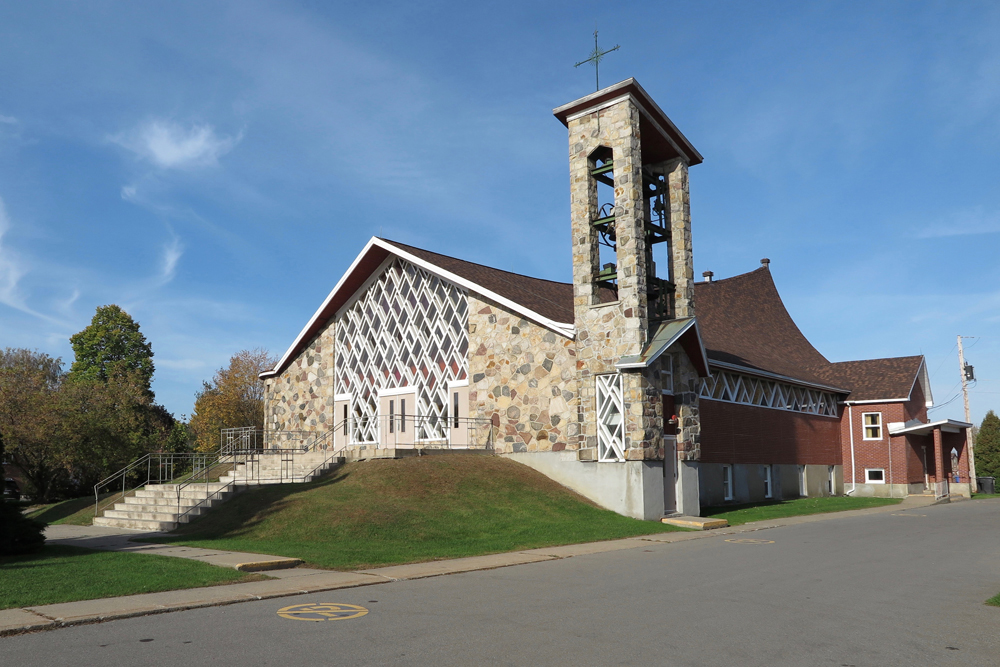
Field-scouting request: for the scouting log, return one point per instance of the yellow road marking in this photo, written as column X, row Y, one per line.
column 323, row 611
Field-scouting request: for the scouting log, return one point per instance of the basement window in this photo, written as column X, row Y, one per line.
column 873, row 425
column 768, row 489
column 875, row 475
column 727, row 482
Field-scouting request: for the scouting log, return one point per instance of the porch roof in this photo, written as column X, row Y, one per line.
column 946, row 425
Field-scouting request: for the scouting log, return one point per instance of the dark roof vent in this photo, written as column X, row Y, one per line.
column 708, row 276
column 765, row 263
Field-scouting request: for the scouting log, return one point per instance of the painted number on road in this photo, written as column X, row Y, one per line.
column 323, row 611
column 747, row 540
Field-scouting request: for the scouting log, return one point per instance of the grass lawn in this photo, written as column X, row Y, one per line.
column 392, row 511
column 994, row 601
column 983, row 496
column 75, row 511
column 737, row 515
column 64, row 574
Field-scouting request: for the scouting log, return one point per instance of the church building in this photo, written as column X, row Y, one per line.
column 634, row 385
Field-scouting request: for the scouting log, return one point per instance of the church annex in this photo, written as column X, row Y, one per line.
column 634, row 385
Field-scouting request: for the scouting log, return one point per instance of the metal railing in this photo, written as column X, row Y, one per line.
column 156, row 468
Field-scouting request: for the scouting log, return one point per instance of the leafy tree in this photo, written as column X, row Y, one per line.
column 234, row 397
column 111, row 346
column 988, row 446
column 29, row 386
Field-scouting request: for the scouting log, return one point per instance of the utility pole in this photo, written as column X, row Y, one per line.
column 968, row 416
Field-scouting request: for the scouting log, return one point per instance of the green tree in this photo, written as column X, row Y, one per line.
column 112, row 346
column 988, row 446
column 30, row 382
column 234, row 397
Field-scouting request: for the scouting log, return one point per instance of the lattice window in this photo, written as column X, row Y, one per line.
column 409, row 329
column 748, row 390
column 610, row 418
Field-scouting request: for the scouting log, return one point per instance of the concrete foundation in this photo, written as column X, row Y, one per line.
column 787, row 481
column 632, row 488
column 688, row 493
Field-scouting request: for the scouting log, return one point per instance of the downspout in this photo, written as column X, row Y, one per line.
column 850, row 421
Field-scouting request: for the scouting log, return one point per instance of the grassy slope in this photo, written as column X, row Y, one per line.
column 737, row 515
column 408, row 510
column 75, row 511
column 65, row 574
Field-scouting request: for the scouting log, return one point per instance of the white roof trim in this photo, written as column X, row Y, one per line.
column 946, row 425
column 776, row 376
column 877, row 400
column 567, row 330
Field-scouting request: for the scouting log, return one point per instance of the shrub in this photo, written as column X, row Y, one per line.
column 18, row 533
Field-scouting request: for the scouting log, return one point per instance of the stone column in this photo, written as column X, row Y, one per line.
column 680, row 238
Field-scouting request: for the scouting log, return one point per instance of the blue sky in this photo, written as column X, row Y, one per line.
column 214, row 167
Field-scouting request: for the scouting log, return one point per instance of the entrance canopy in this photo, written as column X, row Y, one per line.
column 946, row 426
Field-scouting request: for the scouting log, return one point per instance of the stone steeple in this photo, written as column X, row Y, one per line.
column 629, row 198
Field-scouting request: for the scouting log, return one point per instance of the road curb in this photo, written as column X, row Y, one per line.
column 392, row 573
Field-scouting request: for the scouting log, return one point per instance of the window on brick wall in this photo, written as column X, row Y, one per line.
column 875, row 475
column 873, row 425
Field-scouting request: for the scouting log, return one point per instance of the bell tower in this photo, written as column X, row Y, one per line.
column 632, row 262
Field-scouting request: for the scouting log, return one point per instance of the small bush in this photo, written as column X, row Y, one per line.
column 18, row 533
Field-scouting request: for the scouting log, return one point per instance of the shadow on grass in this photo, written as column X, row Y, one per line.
column 726, row 509
column 62, row 510
column 249, row 508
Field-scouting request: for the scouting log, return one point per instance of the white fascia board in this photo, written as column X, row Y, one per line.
column 877, row 400
column 285, row 358
column 925, row 383
column 561, row 328
column 776, row 376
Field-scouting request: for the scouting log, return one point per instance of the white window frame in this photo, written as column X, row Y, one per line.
column 727, row 482
column 869, row 480
column 610, row 396
column 667, row 374
column 768, row 482
column 831, row 479
column 865, row 425
column 803, row 489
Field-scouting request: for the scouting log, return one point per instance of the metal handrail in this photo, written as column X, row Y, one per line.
column 160, row 468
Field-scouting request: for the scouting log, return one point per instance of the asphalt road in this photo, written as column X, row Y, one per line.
column 882, row 589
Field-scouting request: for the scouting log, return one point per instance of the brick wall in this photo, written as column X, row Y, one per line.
column 732, row 433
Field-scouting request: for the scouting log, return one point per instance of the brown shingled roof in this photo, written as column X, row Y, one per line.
column 743, row 321
column 546, row 297
column 874, row 379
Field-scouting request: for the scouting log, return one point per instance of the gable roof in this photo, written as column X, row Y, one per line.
column 543, row 301
column 889, row 379
column 744, row 323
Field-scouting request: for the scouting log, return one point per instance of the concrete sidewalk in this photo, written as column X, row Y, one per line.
column 298, row 580
column 121, row 539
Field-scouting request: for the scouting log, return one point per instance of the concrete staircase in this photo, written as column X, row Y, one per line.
column 157, row 507
column 161, row 507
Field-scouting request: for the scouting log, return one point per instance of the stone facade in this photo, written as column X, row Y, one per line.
column 523, row 376
column 301, row 397
column 606, row 332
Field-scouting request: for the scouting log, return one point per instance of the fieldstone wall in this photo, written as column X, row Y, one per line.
column 686, row 384
column 301, row 397
column 523, row 377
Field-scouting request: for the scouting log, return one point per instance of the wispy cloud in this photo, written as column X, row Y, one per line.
column 169, row 145
column 171, row 255
column 7, row 120
column 966, row 222
column 11, row 272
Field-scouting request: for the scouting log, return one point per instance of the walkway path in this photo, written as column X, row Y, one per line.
column 297, row 580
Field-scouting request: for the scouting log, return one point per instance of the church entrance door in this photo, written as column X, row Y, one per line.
column 397, row 417
column 341, row 421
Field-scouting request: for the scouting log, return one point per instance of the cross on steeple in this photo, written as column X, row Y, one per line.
column 595, row 57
